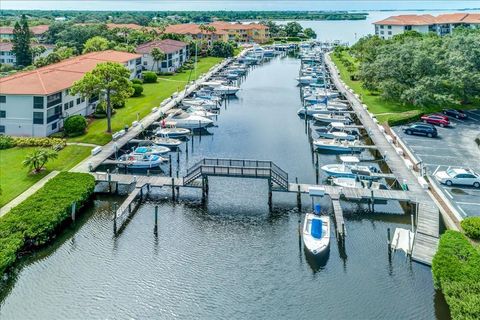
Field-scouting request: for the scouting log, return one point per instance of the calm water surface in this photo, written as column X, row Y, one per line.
column 230, row 259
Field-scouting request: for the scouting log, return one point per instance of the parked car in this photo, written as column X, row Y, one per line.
column 437, row 119
column 465, row 177
column 459, row 114
column 421, row 129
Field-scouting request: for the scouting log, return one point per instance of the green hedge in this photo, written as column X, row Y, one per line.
column 471, row 226
column 10, row 142
column 456, row 270
column 403, row 118
column 34, row 221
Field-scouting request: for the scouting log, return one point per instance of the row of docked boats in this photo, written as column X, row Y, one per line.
column 196, row 112
column 336, row 132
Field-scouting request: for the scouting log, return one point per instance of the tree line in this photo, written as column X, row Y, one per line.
column 146, row 18
column 421, row 69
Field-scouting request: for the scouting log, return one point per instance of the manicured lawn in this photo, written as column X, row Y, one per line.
column 153, row 95
column 15, row 178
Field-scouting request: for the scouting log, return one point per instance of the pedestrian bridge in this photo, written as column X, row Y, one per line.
column 240, row 168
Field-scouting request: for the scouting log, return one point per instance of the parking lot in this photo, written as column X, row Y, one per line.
column 454, row 147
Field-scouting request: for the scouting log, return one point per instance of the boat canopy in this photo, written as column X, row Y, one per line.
column 316, row 231
column 349, row 159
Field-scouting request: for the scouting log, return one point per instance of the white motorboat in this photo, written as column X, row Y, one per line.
column 152, row 149
column 318, row 109
column 316, row 233
column 350, row 168
column 181, row 119
column 308, row 79
column 167, row 142
column 330, row 131
column 329, row 118
column 221, row 89
column 200, row 111
column 172, row 132
column 206, row 104
column 339, row 143
column 357, row 183
column 140, row 161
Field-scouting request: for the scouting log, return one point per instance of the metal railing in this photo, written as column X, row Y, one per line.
column 237, row 168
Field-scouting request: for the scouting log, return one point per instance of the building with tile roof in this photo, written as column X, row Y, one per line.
column 34, row 103
column 442, row 24
column 6, row 33
column 176, row 54
column 7, row 56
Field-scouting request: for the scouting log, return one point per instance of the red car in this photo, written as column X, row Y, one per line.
column 437, row 119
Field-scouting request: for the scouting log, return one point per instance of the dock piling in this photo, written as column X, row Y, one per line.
column 155, row 229
column 299, row 196
column 115, row 218
column 173, row 189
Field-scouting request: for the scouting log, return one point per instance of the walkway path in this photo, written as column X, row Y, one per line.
column 426, row 239
column 27, row 193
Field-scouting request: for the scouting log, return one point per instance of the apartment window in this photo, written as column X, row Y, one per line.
column 54, row 125
column 65, row 106
column 37, row 102
column 3, row 114
column 83, row 99
column 38, row 118
column 70, row 105
column 67, row 92
column 78, row 101
column 408, row 28
column 390, row 32
column 3, row 99
column 54, row 113
column 382, row 32
column 2, row 129
column 389, row 27
column 54, row 99
column 381, row 27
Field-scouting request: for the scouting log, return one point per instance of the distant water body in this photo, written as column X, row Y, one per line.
column 261, row 5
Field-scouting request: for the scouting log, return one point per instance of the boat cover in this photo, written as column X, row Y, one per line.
column 316, row 231
column 141, row 150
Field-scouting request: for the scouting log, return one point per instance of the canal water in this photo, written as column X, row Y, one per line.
column 230, row 258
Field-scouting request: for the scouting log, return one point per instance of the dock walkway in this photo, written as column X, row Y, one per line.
column 427, row 232
column 92, row 162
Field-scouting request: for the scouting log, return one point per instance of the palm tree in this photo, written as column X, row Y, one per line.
column 157, row 55
column 38, row 158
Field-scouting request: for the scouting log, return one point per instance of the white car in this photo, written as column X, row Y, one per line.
column 452, row 176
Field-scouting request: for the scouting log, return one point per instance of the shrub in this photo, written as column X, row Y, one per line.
column 35, row 221
column 75, row 125
column 149, row 77
column 471, row 226
column 6, row 142
column 118, row 105
column 294, row 39
column 456, row 270
column 138, row 89
column 402, row 118
column 137, row 81
column 38, row 142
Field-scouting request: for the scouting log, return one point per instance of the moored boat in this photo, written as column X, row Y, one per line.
column 350, row 168
column 316, row 233
column 140, row 161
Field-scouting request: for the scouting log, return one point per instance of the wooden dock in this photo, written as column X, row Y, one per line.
column 427, row 232
column 92, row 162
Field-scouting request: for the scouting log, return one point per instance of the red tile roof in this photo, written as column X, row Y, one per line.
column 189, row 28
column 411, row 19
column 8, row 46
column 166, row 46
column 427, row 19
column 59, row 76
column 37, row 30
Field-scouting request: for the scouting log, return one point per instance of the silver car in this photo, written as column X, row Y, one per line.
column 451, row 176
